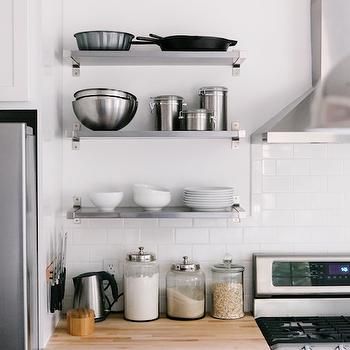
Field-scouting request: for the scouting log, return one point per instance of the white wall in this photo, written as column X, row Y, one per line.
column 49, row 82
column 276, row 35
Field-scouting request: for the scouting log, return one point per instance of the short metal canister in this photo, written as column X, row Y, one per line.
column 167, row 109
column 198, row 119
column 214, row 98
column 227, row 290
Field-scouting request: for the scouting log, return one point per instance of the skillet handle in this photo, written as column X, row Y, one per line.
column 143, row 43
column 155, row 36
column 146, row 38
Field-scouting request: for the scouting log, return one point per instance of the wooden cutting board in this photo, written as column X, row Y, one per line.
column 207, row 333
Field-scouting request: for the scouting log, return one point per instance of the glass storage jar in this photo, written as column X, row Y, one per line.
column 227, row 290
column 185, row 291
column 141, row 286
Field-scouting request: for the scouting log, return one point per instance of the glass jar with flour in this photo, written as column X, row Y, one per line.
column 141, row 286
column 185, row 291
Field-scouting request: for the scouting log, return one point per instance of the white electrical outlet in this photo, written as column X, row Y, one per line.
column 111, row 266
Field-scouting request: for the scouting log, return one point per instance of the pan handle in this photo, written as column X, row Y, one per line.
column 145, row 38
column 144, row 43
column 155, row 36
column 232, row 42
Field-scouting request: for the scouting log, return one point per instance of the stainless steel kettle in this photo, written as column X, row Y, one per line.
column 90, row 293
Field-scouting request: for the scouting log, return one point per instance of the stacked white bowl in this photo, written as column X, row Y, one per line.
column 209, row 198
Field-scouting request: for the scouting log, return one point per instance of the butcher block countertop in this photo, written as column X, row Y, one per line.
column 207, row 333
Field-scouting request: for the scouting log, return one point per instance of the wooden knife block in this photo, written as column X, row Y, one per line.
column 80, row 322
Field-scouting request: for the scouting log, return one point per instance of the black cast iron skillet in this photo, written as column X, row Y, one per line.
column 187, row 42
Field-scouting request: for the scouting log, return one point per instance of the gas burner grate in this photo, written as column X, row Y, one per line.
column 305, row 329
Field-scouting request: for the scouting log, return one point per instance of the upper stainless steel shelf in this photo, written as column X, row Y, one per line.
column 137, row 57
column 77, row 213
column 79, row 132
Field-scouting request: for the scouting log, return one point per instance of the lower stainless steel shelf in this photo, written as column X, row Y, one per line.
column 235, row 213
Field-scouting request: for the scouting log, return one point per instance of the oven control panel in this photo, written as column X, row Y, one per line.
column 310, row 273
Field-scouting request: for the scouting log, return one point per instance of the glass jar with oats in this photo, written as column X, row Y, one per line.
column 227, row 290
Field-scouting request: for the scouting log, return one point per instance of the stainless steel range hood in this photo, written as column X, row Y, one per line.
column 321, row 114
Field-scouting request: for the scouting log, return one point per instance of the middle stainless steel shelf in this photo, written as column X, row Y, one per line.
column 235, row 213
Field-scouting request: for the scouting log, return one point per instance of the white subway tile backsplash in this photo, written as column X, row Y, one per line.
column 174, row 252
column 103, row 223
column 276, row 184
column 300, row 200
column 157, row 235
column 209, row 253
column 123, row 236
column 209, row 222
column 269, row 167
column 226, row 235
column 310, row 151
column 326, row 167
column 189, row 235
column 310, row 218
column 292, row 167
column 277, row 217
column 175, row 222
column 282, row 151
column 140, row 223
column 338, row 151
column 309, row 184
column 295, row 201
column 89, row 236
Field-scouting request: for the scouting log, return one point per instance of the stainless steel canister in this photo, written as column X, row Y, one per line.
column 198, row 119
column 167, row 109
column 214, row 98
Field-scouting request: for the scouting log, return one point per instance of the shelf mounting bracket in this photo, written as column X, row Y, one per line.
column 75, row 137
column 76, row 206
column 236, row 67
column 235, row 140
column 75, row 68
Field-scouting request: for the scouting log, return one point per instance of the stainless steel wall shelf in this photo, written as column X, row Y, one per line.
column 79, row 134
column 136, row 57
column 236, row 213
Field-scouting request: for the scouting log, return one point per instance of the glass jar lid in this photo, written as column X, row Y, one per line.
column 186, row 265
column 141, row 256
column 227, row 266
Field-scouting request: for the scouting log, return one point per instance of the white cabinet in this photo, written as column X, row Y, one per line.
column 14, row 47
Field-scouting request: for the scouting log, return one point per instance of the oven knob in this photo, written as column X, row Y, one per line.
column 306, row 347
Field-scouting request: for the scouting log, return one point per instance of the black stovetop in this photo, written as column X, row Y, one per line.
column 294, row 330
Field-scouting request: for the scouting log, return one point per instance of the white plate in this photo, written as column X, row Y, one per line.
column 209, row 198
column 208, row 189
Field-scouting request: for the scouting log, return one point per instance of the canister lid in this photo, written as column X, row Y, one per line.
column 210, row 89
column 227, row 266
column 141, row 256
column 197, row 113
column 167, row 98
column 186, row 265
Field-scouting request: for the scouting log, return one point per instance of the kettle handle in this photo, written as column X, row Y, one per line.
column 105, row 276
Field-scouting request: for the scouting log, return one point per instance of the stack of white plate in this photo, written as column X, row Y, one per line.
column 208, row 198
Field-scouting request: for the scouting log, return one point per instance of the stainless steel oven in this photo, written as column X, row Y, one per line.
column 303, row 301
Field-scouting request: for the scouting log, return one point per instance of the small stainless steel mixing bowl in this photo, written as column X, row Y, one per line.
column 105, row 112
column 104, row 40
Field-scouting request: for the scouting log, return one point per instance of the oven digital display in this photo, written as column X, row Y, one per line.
column 338, row 269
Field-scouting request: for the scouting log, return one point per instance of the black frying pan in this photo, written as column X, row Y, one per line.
column 187, row 42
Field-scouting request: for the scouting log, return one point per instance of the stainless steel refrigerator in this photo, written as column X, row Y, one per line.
column 18, row 237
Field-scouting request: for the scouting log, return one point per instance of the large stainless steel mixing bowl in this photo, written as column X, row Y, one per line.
column 105, row 112
column 104, row 40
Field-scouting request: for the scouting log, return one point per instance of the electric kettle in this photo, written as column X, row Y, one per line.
column 89, row 292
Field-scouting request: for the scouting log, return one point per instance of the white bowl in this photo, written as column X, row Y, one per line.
column 151, row 197
column 106, row 200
